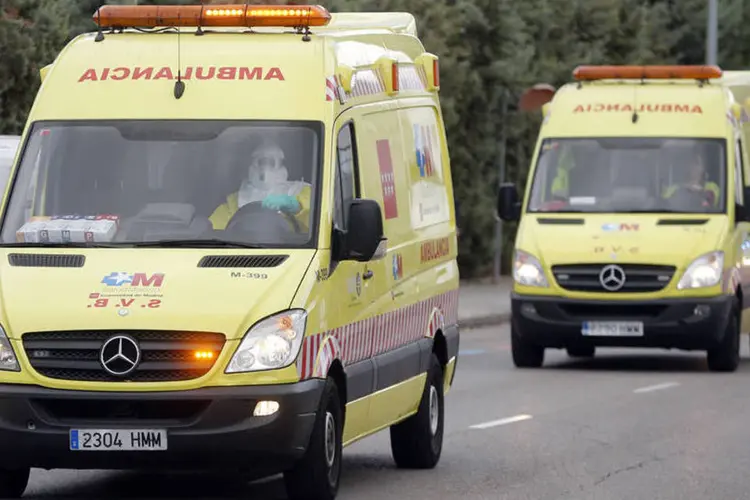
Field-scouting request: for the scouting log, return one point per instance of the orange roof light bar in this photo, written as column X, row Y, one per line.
column 583, row 73
column 228, row 16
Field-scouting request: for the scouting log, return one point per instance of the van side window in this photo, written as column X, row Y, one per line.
column 738, row 177
column 346, row 167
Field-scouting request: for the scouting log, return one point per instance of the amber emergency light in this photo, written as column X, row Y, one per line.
column 584, row 73
column 228, row 16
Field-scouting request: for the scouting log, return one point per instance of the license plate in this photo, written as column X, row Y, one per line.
column 612, row 329
column 118, row 439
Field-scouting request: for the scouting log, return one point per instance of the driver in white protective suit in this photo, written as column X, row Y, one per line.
column 267, row 182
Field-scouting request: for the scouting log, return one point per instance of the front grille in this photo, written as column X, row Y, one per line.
column 638, row 277
column 109, row 410
column 166, row 356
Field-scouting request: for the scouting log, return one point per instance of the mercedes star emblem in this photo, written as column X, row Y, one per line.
column 120, row 355
column 612, row 277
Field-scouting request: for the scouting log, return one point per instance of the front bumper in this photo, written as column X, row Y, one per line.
column 207, row 429
column 687, row 324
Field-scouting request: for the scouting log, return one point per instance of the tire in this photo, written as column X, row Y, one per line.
column 317, row 474
column 726, row 356
column 13, row 482
column 581, row 351
column 417, row 442
column 525, row 354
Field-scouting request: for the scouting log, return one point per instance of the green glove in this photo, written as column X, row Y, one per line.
column 282, row 202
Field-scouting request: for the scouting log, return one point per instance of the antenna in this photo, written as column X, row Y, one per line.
column 179, row 85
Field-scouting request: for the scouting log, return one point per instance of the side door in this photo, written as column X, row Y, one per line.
column 349, row 286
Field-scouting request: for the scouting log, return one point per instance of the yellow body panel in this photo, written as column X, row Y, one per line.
column 412, row 294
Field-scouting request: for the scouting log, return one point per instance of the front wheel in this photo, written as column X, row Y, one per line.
column 417, row 442
column 525, row 354
column 13, row 482
column 726, row 356
column 316, row 476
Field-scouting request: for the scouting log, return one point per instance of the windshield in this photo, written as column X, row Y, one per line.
column 630, row 175
column 167, row 182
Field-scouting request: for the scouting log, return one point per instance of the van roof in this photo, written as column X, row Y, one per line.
column 675, row 108
column 229, row 73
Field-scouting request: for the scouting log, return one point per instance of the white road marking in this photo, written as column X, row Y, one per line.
column 657, row 387
column 502, row 421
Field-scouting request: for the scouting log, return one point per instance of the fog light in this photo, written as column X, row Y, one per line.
column 265, row 408
column 702, row 311
column 528, row 309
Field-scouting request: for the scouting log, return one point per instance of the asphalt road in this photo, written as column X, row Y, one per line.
column 628, row 424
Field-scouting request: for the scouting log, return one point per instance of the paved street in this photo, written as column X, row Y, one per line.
column 626, row 425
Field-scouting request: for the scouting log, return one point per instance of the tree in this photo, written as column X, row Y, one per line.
column 31, row 34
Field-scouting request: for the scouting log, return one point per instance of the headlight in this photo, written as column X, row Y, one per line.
column 8, row 360
column 271, row 343
column 527, row 270
column 705, row 271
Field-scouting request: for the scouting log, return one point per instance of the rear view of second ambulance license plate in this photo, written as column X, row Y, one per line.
column 118, row 439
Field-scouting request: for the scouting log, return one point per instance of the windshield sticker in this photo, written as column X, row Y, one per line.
column 68, row 228
column 643, row 108
column 166, row 73
column 620, row 227
column 582, row 200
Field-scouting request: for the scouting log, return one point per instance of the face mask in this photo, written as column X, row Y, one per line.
column 267, row 175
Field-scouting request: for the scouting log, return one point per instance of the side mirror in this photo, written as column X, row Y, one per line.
column 508, row 203
column 365, row 238
column 742, row 213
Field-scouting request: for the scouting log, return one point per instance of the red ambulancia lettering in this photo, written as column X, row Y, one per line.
column 643, row 108
column 167, row 73
column 145, row 73
column 120, row 73
column 435, row 249
column 255, row 74
column 227, row 73
column 140, row 279
column 203, row 74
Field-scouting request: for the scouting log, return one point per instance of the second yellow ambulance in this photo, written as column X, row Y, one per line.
column 634, row 224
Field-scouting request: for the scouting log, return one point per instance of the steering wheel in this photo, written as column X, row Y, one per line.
column 684, row 196
column 256, row 208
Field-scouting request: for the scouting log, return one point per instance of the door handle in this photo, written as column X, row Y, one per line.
column 368, row 274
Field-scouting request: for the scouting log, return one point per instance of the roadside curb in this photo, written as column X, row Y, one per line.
column 483, row 321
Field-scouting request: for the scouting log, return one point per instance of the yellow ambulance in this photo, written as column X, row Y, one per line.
column 633, row 228
column 229, row 242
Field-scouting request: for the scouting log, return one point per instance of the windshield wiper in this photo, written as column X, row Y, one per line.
column 202, row 243
column 660, row 211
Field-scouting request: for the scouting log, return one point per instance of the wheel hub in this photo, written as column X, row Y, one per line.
column 330, row 439
column 434, row 410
